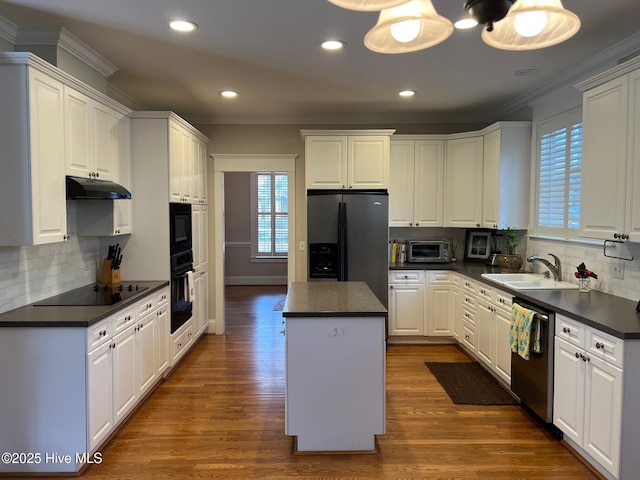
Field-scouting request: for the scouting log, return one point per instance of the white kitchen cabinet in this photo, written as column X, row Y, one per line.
column 202, row 299
column 124, row 374
column 357, row 159
column 180, row 164
column 611, row 112
column 199, row 157
column 100, row 394
column 181, row 340
column 146, row 350
column 506, row 172
column 439, row 312
column 335, row 382
column 463, row 182
column 416, row 183
column 200, row 215
column 502, row 319
column 406, row 302
column 163, row 338
column 91, row 137
column 32, row 139
column 485, row 328
column 456, row 306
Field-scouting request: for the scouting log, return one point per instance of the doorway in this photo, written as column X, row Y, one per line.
column 245, row 163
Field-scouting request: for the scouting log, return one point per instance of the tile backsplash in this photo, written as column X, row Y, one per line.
column 572, row 254
column 30, row 274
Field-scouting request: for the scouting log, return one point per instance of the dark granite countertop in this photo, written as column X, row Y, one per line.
column 72, row 316
column 608, row 313
column 332, row 299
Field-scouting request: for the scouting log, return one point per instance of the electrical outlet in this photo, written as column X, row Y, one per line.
column 617, row 270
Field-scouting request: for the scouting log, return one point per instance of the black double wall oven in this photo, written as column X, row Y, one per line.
column 181, row 264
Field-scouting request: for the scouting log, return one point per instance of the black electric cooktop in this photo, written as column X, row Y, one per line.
column 98, row 294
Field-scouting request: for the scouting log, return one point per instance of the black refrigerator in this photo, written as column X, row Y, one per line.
column 348, row 237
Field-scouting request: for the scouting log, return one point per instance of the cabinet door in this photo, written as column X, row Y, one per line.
column 203, row 300
column 603, row 409
column 463, row 183
column 48, row 189
column 401, row 183
column 491, row 180
column 406, row 309
column 604, row 135
column 124, row 373
column 196, row 306
column 100, row 394
column 196, row 238
column 429, row 183
column 326, row 162
column 105, row 138
column 145, row 354
column 368, row 162
column 502, row 353
column 633, row 197
column 485, row 331
column 438, row 306
column 176, row 163
column 77, row 133
column 204, row 237
column 568, row 390
column 163, row 347
column 456, row 309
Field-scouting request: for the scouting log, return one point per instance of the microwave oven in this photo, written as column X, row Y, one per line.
column 180, row 227
column 428, row 251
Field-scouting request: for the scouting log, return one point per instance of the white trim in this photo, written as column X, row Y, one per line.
column 251, row 280
column 8, row 30
column 59, row 37
column 389, row 132
column 168, row 115
column 253, row 162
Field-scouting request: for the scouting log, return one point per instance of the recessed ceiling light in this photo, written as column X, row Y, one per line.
column 525, row 72
column 407, row 93
column 182, row 25
column 228, row 94
column 332, row 45
column 465, row 23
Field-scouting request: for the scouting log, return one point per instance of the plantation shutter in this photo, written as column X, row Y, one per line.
column 272, row 190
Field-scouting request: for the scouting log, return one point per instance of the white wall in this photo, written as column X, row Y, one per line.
column 30, row 274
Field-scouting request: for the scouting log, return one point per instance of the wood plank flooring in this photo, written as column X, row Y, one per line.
column 221, row 415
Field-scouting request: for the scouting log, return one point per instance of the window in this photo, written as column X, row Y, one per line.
column 270, row 229
column 559, row 176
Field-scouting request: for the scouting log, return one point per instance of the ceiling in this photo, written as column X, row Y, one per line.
column 268, row 51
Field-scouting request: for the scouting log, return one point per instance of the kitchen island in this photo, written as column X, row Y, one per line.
column 335, row 366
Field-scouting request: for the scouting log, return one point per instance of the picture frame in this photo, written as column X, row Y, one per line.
column 477, row 245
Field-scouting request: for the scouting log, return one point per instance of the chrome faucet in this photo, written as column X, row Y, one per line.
column 556, row 269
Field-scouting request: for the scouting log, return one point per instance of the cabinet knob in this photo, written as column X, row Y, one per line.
column 391, row 287
column 566, row 330
column 625, row 236
column 417, row 224
column 599, row 345
column 578, row 355
column 478, row 225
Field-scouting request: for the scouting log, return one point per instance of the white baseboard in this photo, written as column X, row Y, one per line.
column 251, row 280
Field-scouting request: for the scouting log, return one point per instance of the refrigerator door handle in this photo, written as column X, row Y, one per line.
column 340, row 250
column 345, row 244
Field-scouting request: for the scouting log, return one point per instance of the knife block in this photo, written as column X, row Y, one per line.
column 107, row 275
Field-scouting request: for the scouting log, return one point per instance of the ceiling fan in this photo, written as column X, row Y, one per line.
column 409, row 25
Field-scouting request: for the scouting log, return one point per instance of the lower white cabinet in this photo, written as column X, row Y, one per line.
column 439, row 310
column 100, row 394
column 588, row 397
column 181, row 339
column 406, row 302
column 124, row 373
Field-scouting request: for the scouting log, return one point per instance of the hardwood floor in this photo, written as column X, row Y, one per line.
column 221, row 415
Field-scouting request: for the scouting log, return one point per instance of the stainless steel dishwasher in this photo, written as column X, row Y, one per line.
column 532, row 380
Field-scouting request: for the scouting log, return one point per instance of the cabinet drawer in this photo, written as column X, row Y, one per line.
column 440, row 277
column 469, row 285
column 145, row 306
column 605, row 346
column 122, row 320
column 570, row 330
column 162, row 298
column 99, row 333
column 468, row 300
column 469, row 316
column 406, row 276
column 485, row 292
column 469, row 336
column 503, row 300
column 455, row 279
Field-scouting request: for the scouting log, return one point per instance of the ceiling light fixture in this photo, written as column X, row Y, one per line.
column 465, row 23
column 332, row 45
column 533, row 24
column 228, row 94
column 407, row 93
column 182, row 25
column 412, row 26
column 367, row 5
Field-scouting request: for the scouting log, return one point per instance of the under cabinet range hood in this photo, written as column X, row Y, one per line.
column 79, row 188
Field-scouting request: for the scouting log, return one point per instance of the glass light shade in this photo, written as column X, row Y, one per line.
column 511, row 33
column 367, row 5
column 432, row 28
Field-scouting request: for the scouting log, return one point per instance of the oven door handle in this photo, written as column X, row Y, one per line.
column 541, row 316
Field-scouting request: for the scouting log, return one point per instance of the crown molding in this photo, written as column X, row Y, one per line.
column 59, row 37
column 8, row 30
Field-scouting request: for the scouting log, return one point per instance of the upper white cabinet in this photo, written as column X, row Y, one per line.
column 463, row 182
column 92, row 136
column 505, row 179
column 32, row 184
column 416, row 183
column 611, row 154
column 357, row 159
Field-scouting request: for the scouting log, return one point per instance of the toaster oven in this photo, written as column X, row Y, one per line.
column 428, row 251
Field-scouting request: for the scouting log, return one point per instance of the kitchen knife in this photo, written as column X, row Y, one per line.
column 114, row 261
column 111, row 252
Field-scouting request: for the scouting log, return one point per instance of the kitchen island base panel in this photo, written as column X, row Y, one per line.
column 296, row 451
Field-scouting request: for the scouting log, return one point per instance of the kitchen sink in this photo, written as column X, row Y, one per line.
column 528, row 281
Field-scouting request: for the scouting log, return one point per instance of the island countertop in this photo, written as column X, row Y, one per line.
column 332, row 299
